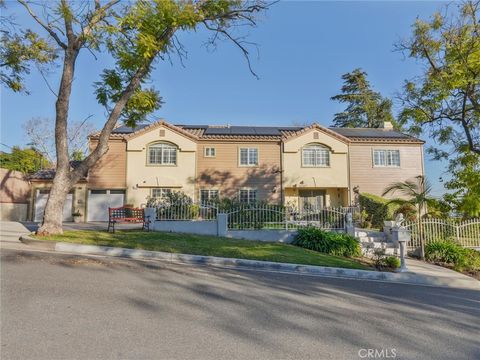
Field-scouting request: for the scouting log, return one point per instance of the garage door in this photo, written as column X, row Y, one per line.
column 100, row 200
column 41, row 201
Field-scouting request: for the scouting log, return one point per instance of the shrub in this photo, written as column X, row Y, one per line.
column 328, row 242
column 450, row 253
column 392, row 262
column 377, row 209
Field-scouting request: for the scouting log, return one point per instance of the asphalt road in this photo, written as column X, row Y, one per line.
column 56, row 306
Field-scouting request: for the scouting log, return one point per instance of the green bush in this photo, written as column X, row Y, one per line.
column 392, row 262
column 450, row 253
column 328, row 242
column 376, row 208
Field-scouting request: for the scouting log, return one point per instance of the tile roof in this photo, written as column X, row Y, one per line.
column 219, row 132
column 49, row 174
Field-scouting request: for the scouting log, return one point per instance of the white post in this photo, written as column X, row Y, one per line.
column 222, row 224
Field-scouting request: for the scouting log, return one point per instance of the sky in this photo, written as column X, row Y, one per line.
column 303, row 50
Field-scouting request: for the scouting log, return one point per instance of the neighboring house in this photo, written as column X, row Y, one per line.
column 14, row 195
column 312, row 165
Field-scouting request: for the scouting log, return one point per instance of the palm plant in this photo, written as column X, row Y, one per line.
column 416, row 192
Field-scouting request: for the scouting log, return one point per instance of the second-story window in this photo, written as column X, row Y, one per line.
column 162, row 154
column 388, row 158
column 248, row 156
column 209, row 152
column 316, row 155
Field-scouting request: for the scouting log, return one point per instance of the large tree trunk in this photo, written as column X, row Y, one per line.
column 53, row 216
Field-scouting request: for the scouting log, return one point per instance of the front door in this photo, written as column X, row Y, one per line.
column 311, row 199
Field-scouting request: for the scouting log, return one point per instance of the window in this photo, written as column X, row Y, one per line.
column 162, row 154
column 209, row 152
column 208, row 195
column 247, row 195
column 390, row 158
column 316, row 156
column 159, row 193
column 248, row 156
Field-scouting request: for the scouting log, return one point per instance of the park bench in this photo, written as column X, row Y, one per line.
column 127, row 215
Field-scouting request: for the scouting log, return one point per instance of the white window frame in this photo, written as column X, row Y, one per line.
column 212, row 194
column 163, row 191
column 386, row 158
column 210, row 152
column 321, row 155
column 252, row 195
column 252, row 156
column 164, row 155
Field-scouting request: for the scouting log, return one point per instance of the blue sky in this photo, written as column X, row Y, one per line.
column 304, row 48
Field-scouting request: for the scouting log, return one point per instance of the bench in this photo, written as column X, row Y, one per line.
column 127, row 215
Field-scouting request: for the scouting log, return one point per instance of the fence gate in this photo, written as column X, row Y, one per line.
column 465, row 233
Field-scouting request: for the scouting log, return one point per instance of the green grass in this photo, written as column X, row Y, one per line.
column 206, row 245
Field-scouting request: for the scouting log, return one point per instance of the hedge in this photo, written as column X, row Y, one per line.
column 377, row 209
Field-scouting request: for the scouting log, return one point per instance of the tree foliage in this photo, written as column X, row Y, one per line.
column 19, row 51
column 136, row 35
column 26, row 160
column 444, row 102
column 365, row 107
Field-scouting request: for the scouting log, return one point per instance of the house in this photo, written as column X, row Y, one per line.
column 301, row 166
column 14, row 195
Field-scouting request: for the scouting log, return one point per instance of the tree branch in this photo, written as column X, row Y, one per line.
column 52, row 33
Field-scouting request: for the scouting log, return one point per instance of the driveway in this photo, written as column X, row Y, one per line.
column 58, row 306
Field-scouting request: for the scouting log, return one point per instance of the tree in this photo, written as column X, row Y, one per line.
column 444, row 101
column 27, row 161
column 41, row 134
column 365, row 107
column 465, row 184
column 135, row 34
column 415, row 192
column 19, row 50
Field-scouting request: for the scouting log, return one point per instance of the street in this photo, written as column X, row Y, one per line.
column 58, row 306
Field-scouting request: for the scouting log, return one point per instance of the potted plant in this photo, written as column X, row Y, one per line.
column 76, row 216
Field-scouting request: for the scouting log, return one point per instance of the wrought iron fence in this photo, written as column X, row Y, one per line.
column 257, row 216
column 186, row 211
column 466, row 233
column 262, row 216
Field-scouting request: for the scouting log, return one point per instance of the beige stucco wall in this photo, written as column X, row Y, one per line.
column 13, row 212
column 296, row 175
column 374, row 180
column 142, row 177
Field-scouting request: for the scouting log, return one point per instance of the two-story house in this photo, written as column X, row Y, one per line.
column 301, row 166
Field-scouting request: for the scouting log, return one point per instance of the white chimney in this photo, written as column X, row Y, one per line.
column 387, row 125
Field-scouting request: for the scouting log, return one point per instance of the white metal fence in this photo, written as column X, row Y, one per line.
column 187, row 211
column 465, row 233
column 258, row 216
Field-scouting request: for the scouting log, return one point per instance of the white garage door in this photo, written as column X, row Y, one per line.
column 100, row 200
column 41, row 202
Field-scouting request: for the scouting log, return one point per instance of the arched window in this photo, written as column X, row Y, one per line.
column 162, row 154
column 316, row 155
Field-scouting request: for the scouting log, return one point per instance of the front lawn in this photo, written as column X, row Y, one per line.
column 206, row 245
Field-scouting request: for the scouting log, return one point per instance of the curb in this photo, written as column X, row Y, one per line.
column 244, row 264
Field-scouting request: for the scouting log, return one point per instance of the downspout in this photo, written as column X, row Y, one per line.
column 282, row 199
column 349, row 176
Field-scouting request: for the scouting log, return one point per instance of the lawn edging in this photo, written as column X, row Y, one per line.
column 244, row 264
